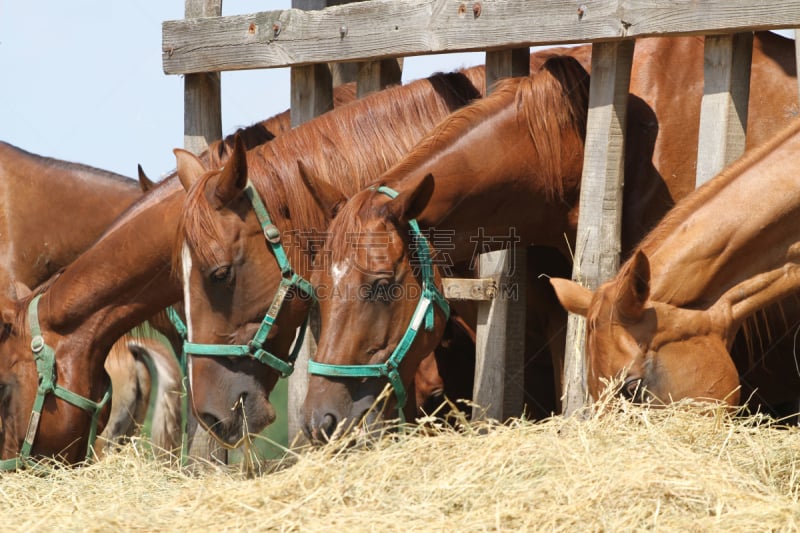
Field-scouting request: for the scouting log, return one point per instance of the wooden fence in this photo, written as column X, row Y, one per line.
column 375, row 33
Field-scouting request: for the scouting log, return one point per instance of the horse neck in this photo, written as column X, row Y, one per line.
column 405, row 114
column 739, row 224
column 120, row 281
column 491, row 176
column 69, row 203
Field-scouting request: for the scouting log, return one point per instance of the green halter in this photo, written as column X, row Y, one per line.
column 290, row 279
column 45, row 358
column 424, row 310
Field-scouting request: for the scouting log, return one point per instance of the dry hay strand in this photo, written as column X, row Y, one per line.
column 686, row 467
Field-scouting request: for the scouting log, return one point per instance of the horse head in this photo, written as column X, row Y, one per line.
column 374, row 326
column 227, row 265
column 656, row 351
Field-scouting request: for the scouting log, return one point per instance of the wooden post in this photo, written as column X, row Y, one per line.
column 797, row 57
column 376, row 75
column 202, row 109
column 202, row 124
column 499, row 388
column 723, row 114
column 598, row 240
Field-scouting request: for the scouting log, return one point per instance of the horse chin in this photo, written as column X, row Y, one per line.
column 248, row 416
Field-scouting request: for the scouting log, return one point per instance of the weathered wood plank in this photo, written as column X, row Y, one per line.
column 598, row 238
column 312, row 92
column 480, row 289
column 386, row 28
column 723, row 112
column 500, row 338
column 797, row 55
column 202, row 103
column 377, row 75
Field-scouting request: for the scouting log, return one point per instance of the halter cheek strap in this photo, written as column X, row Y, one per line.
column 45, row 359
column 290, row 279
column 423, row 312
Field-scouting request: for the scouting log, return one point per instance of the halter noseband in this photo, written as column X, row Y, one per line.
column 289, row 280
column 45, row 358
column 424, row 310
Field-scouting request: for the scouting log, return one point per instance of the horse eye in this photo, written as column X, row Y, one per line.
column 223, row 274
column 380, row 290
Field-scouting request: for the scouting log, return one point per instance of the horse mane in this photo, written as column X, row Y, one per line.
column 553, row 100
column 348, row 147
column 700, row 196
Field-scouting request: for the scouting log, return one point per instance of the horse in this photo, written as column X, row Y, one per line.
column 43, row 233
column 663, row 326
column 123, row 279
column 454, row 181
column 146, row 394
column 242, row 271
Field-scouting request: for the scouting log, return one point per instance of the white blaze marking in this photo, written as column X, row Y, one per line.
column 338, row 270
column 186, row 270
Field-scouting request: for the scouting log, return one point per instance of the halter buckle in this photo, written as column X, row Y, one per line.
column 272, row 233
column 37, row 343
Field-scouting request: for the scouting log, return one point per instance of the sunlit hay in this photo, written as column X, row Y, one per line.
column 685, row 467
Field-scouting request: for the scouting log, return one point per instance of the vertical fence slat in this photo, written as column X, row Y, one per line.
column 598, row 239
column 202, row 108
column 202, row 124
column 499, row 388
column 723, row 113
column 376, row 75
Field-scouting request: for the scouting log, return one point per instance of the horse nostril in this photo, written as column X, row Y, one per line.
column 209, row 420
column 632, row 389
column 328, row 425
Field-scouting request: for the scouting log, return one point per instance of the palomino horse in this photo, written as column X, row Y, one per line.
column 147, row 390
column 663, row 325
column 661, row 68
column 123, row 279
column 453, row 181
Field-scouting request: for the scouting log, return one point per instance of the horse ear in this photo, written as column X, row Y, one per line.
column 634, row 287
column 144, row 182
column 575, row 298
column 233, row 176
column 329, row 198
column 189, row 167
column 411, row 202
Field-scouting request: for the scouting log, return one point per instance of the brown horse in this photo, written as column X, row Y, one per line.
column 453, row 182
column 51, row 211
column 663, row 325
column 123, row 279
column 661, row 67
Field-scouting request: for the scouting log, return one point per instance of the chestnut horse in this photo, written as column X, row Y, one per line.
column 51, row 211
column 453, row 181
column 664, row 324
column 238, row 265
column 123, row 279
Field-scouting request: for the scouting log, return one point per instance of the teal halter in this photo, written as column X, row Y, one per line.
column 290, row 279
column 45, row 358
column 424, row 310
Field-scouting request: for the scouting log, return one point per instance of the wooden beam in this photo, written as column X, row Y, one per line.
column 598, row 238
column 377, row 75
column 723, row 112
column 797, row 56
column 477, row 289
column 312, row 92
column 378, row 29
column 202, row 105
column 498, row 390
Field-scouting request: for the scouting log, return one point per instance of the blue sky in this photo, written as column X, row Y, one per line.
column 82, row 81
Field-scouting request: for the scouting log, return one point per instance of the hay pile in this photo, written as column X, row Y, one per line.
column 624, row 468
